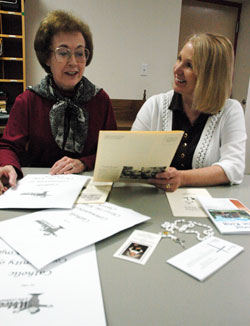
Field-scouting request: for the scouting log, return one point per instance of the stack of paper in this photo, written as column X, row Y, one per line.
column 52, row 277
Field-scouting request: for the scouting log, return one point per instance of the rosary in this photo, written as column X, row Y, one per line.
column 170, row 229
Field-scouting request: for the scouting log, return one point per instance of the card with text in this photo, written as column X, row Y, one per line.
column 205, row 258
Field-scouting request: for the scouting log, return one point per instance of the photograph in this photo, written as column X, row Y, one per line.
column 129, row 172
column 135, row 250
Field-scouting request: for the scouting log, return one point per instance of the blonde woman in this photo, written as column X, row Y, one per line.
column 212, row 150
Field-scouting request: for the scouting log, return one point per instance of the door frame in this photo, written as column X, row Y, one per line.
column 230, row 4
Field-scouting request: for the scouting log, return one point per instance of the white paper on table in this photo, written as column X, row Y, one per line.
column 183, row 202
column 44, row 191
column 205, row 258
column 95, row 193
column 51, row 234
column 68, row 291
column 138, row 247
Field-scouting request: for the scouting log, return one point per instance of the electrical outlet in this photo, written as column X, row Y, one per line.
column 144, row 69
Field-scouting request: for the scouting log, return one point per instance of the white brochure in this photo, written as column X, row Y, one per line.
column 183, row 202
column 44, row 191
column 138, row 247
column 229, row 215
column 44, row 236
column 205, row 258
column 68, row 292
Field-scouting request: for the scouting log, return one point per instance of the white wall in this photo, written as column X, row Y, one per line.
column 247, row 116
column 126, row 33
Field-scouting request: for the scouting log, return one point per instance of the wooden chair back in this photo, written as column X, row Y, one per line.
column 125, row 112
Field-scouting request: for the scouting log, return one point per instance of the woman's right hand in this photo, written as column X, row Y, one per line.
column 169, row 181
column 8, row 178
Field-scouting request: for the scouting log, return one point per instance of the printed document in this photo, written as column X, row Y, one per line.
column 183, row 202
column 229, row 215
column 44, row 191
column 47, row 235
column 134, row 155
column 95, row 193
column 68, row 292
column 206, row 257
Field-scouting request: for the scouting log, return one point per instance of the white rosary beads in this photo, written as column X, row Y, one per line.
column 170, row 229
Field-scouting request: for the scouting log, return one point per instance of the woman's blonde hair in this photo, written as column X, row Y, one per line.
column 213, row 64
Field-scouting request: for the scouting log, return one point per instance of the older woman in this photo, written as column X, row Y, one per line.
column 212, row 150
column 56, row 123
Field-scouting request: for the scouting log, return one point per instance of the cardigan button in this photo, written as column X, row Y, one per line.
column 182, row 155
column 185, row 135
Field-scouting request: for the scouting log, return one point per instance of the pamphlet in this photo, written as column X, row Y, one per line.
column 51, row 234
column 44, row 191
column 138, row 247
column 134, row 156
column 229, row 215
column 206, row 257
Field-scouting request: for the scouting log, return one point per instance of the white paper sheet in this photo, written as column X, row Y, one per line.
column 183, row 202
column 44, row 191
column 138, row 247
column 206, row 257
column 68, row 292
column 44, row 236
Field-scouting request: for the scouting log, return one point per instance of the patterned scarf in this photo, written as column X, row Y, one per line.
column 68, row 118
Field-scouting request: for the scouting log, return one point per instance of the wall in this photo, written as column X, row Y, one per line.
column 242, row 62
column 247, row 116
column 126, row 33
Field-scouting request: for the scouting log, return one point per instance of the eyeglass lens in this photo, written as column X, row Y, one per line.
column 63, row 54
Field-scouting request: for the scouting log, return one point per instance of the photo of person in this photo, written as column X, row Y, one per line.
column 135, row 250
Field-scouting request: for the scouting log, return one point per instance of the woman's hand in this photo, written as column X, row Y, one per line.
column 67, row 165
column 169, row 180
column 8, row 178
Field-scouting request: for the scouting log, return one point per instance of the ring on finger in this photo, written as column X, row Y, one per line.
column 71, row 166
column 168, row 186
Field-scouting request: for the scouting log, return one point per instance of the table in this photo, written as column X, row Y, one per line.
column 157, row 294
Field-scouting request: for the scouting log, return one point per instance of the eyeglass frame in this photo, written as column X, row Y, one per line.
column 70, row 53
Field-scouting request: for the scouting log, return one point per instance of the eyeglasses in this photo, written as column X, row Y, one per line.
column 63, row 54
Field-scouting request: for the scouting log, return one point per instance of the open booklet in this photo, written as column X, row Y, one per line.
column 134, row 156
column 229, row 215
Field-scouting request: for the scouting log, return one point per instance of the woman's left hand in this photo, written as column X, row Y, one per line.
column 67, row 165
column 169, row 180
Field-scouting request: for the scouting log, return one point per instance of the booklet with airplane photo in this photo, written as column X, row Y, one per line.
column 229, row 215
column 134, row 156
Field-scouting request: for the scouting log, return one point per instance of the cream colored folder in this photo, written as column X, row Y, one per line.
column 134, row 156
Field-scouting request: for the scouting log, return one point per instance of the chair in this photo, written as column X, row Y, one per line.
column 125, row 112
